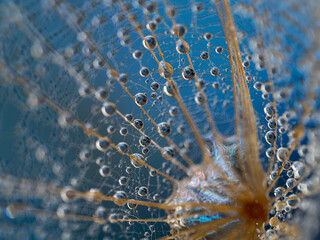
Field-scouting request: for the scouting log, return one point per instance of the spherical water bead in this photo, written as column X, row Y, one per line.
column 152, row 173
column 182, row 46
column 156, row 197
column 273, row 175
column 270, row 152
column 303, row 150
column 293, row 201
column 97, row 20
column 282, row 154
column 112, row 217
column 197, row 7
column 290, row 182
column 84, row 90
column 168, row 90
column 151, row 7
column 188, row 73
column 246, row 64
column 87, row 50
column 269, row 109
column 173, row 111
column 117, row 18
column 279, row 191
column 287, row 165
column 171, row 11
column 181, row 129
column 121, row 195
column 214, row 71
column 104, row 171
column 123, row 78
column 129, row 117
column 154, row 86
column 282, row 121
column 111, row 129
column 219, row 49
column 63, row 210
column 273, row 221
column 153, row 95
column 280, row 205
column 265, row 96
column 179, row 30
column 144, row 141
column 144, row 72
column 287, row 209
column 266, row 87
column 165, row 69
column 99, row 161
column 138, row 3
column 137, row 54
column 143, row 191
column 168, row 153
column 257, row 85
column 98, row 63
column 307, row 187
column 102, row 145
column 84, row 155
column 290, row 173
column 132, row 205
column 67, row 194
column 145, row 151
column 149, row 42
column 138, row 123
column 123, row 147
column 125, row 41
column 101, row 212
column 64, row 119
column 208, row 36
column 289, row 114
column 123, row 180
column 152, row 25
column 170, row 121
column 102, row 93
column 204, row 55
column 37, row 50
column 41, row 153
column 123, row 32
column 299, row 169
column 201, row 83
column 134, row 162
column 215, row 85
column 270, row 137
column 123, row 131
column 141, row 99
column 268, row 118
column 108, row 109
column 272, row 124
column 188, row 144
column 200, row 98
column 164, row 129
column 128, row 170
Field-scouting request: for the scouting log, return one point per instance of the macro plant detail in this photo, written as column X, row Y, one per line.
column 159, row 119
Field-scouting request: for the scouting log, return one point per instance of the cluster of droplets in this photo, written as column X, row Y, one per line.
column 80, row 61
column 124, row 115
